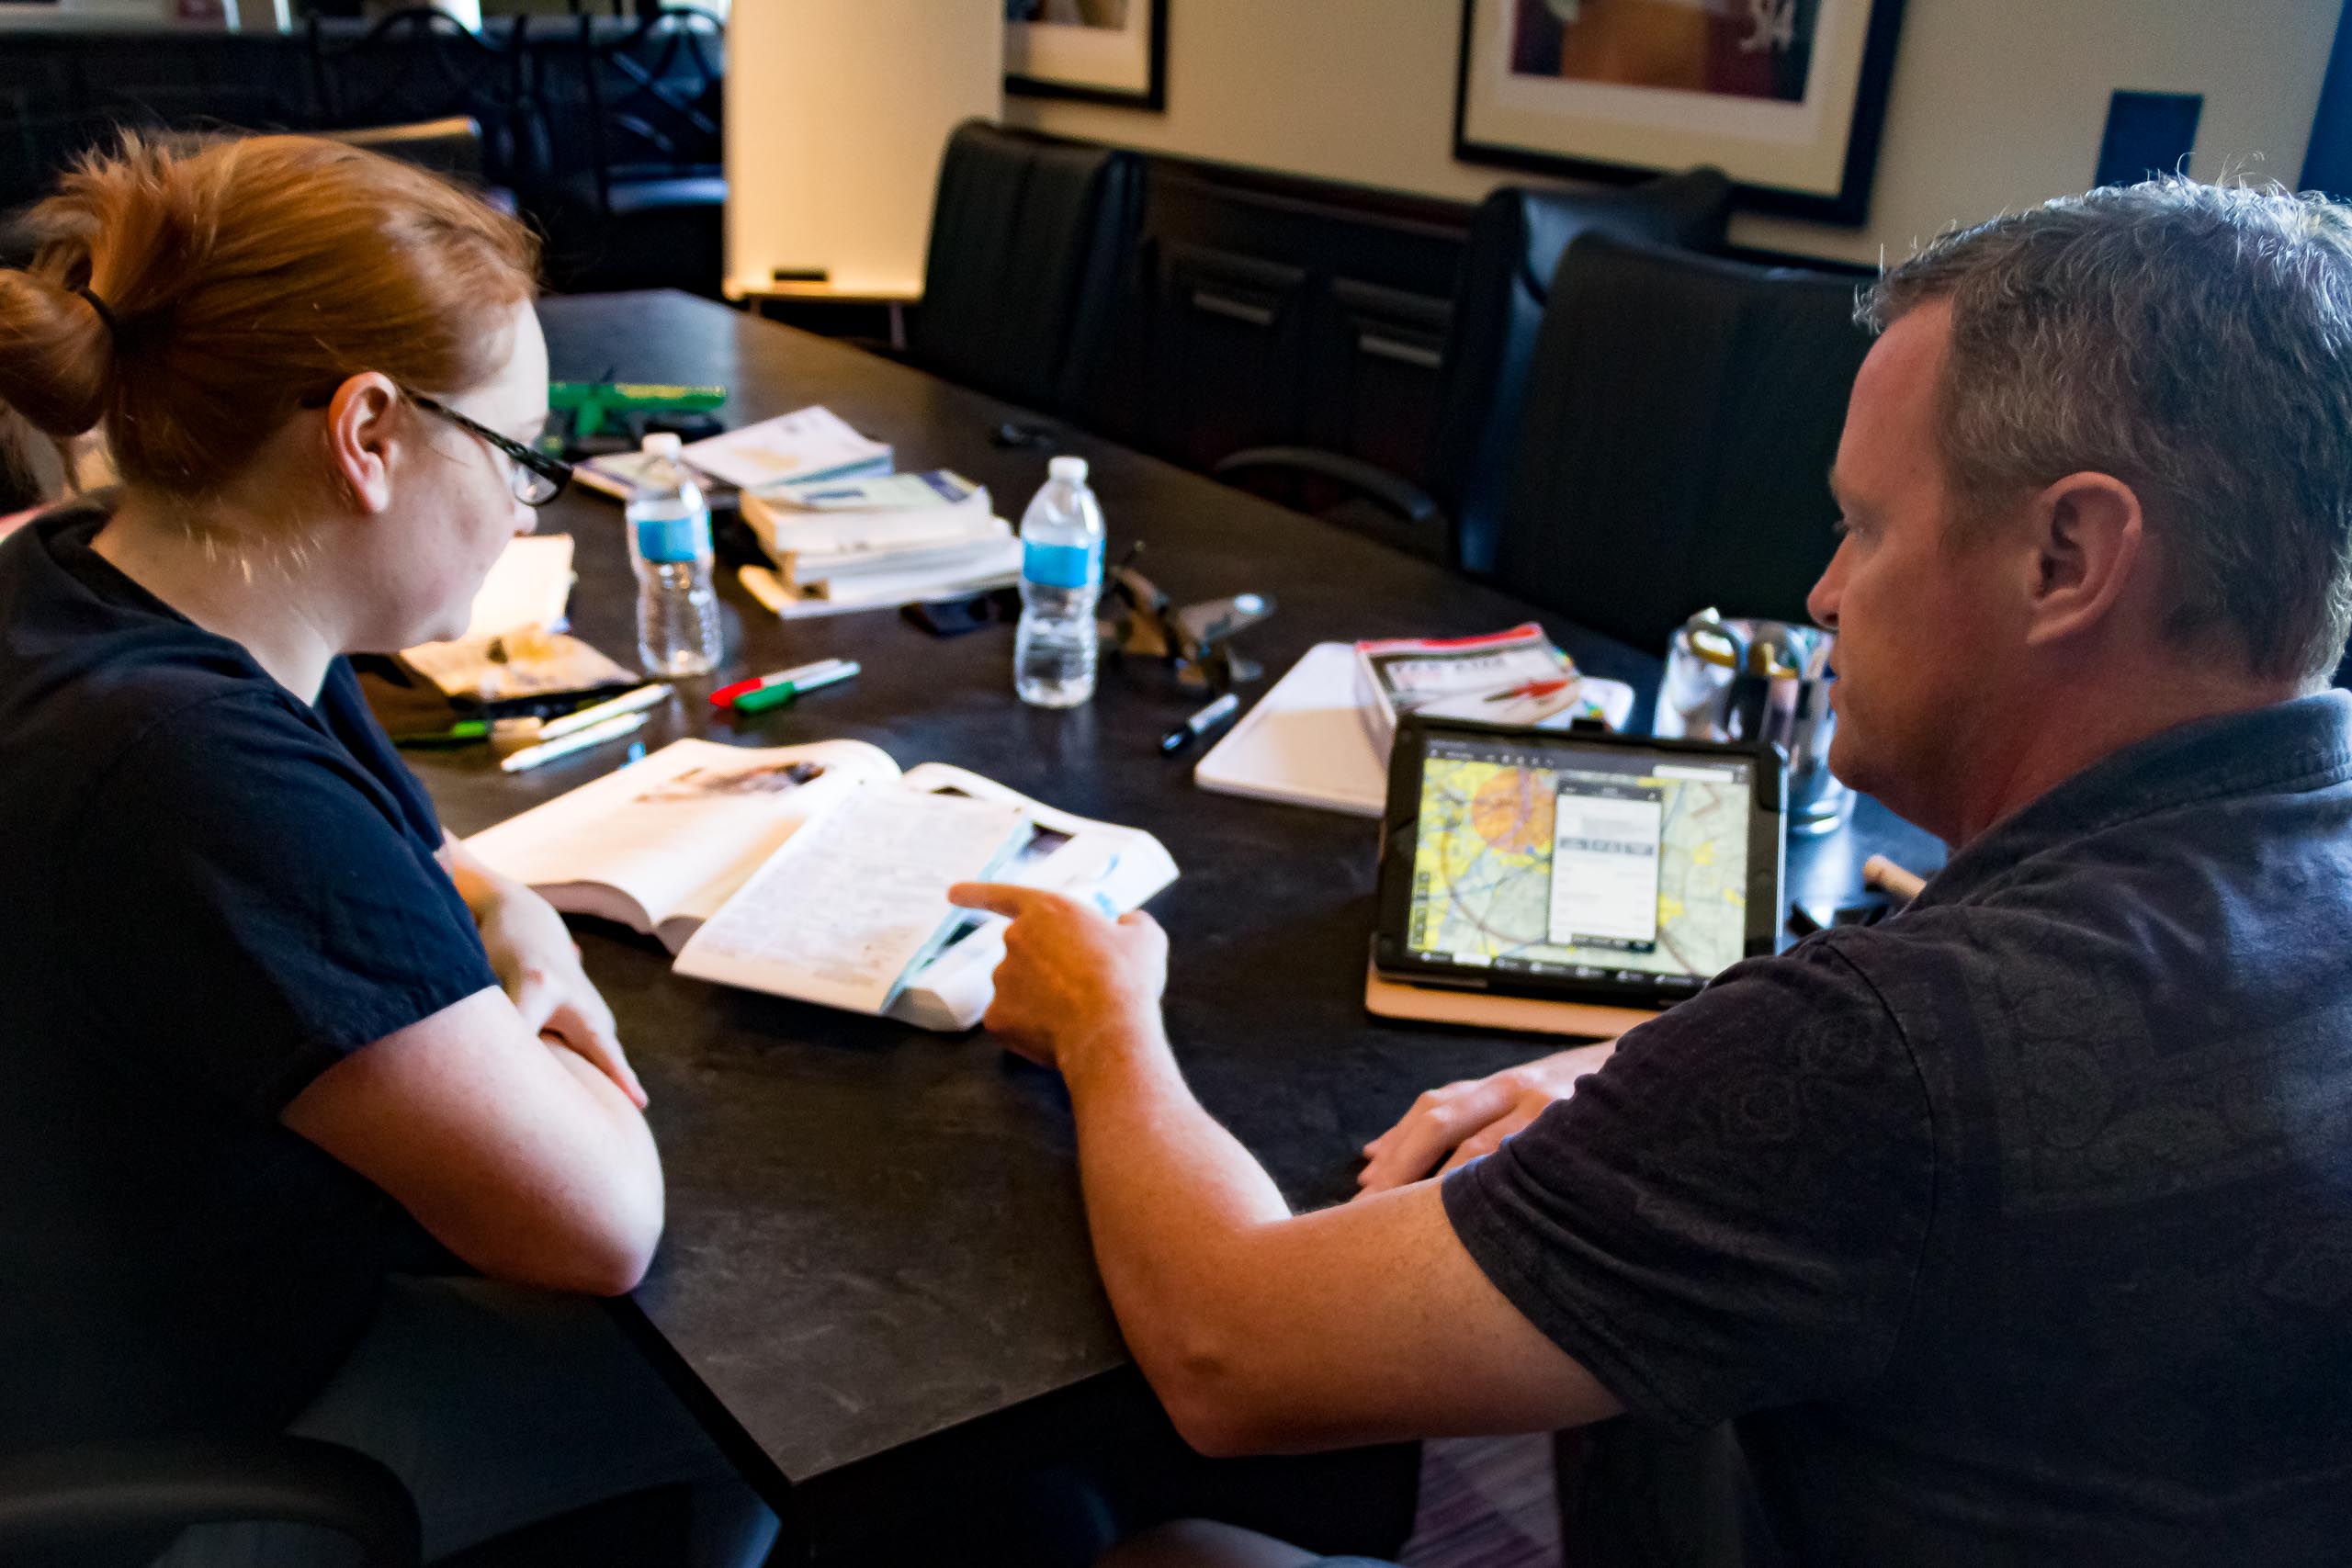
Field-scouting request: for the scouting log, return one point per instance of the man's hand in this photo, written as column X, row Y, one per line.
column 1472, row 1118
column 537, row 966
column 1071, row 982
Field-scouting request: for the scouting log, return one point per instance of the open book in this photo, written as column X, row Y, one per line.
column 817, row 872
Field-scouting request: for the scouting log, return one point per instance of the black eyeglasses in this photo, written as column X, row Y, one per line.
column 535, row 477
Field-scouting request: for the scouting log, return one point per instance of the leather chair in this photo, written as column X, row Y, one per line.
column 450, row 147
column 1681, row 414
column 1031, row 240
column 114, row 1503
column 649, row 209
column 1517, row 237
column 17, row 245
column 419, row 67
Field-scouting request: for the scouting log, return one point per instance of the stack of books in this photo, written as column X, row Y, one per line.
column 859, row 544
column 809, row 443
column 1322, row 736
column 1515, row 677
column 844, row 530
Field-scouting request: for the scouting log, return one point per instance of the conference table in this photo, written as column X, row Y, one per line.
column 875, row 1249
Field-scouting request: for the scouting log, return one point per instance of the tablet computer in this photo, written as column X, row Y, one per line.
column 1596, row 867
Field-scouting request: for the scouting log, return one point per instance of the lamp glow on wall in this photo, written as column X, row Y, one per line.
column 837, row 114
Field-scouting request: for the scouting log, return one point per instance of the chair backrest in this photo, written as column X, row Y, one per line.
column 421, row 64
column 653, row 95
column 450, row 147
column 1516, row 240
column 1031, row 241
column 1682, row 413
column 124, row 1501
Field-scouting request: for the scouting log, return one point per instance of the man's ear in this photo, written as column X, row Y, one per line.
column 2089, row 551
column 360, row 420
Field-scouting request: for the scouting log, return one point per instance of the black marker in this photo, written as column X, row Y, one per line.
column 1200, row 724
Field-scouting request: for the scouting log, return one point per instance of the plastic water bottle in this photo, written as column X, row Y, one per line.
column 669, row 540
column 1061, row 574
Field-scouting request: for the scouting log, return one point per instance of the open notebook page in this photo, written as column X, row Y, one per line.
column 662, row 843
column 853, row 902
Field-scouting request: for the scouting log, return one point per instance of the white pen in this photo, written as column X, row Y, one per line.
column 627, row 702
column 578, row 740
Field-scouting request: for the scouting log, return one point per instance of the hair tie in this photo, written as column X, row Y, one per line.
column 114, row 328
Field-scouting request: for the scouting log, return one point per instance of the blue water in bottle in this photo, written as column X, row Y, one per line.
column 669, row 542
column 1061, row 576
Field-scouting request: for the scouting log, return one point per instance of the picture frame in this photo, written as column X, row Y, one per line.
column 1787, row 96
column 1099, row 52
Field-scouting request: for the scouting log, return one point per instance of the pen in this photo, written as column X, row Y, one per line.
column 1884, row 875
column 727, row 695
column 1200, row 724
column 578, row 740
column 776, row 694
column 627, row 702
column 1532, row 688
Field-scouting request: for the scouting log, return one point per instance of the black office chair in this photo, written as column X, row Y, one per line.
column 1030, row 243
column 420, row 65
column 451, row 148
column 16, row 243
column 116, row 1502
column 1682, row 413
column 646, row 103
column 1516, row 240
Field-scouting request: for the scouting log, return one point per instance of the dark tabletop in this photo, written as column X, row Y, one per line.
column 875, row 1233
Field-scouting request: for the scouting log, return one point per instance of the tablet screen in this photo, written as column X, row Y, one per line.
column 1578, row 862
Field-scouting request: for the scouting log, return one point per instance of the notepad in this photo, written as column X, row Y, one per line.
column 1305, row 743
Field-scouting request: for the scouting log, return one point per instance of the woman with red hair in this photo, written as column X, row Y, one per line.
column 312, row 1122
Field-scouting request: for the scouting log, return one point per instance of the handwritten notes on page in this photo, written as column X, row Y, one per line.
column 857, row 901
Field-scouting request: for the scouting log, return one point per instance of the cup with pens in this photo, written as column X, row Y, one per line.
column 1750, row 679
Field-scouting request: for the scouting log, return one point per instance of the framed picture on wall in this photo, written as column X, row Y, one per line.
column 1787, row 96
column 1104, row 52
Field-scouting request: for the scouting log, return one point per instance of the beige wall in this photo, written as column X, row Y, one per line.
column 1996, row 103
column 836, row 114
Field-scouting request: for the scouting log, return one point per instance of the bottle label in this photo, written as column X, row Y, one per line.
column 1063, row 566
column 667, row 540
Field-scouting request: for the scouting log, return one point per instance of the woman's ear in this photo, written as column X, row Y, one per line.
column 361, row 421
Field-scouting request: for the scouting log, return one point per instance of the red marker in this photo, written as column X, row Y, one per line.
column 725, row 696
column 1534, row 689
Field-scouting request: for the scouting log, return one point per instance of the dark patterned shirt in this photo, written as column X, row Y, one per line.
column 2018, row 1228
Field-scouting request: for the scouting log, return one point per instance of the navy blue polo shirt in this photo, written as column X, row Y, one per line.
column 212, row 891
column 2015, row 1229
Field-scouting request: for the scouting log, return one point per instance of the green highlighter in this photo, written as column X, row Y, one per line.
column 776, row 693
column 465, row 732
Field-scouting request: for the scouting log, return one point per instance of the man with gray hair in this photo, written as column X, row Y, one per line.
column 2018, row 1227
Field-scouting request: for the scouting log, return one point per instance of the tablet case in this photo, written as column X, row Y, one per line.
column 1483, row 1009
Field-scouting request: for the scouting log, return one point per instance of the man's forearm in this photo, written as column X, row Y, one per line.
column 1171, row 1200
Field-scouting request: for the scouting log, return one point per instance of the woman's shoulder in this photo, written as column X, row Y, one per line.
column 91, row 665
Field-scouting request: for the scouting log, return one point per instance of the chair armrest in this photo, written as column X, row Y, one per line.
column 1401, row 496
column 113, row 1491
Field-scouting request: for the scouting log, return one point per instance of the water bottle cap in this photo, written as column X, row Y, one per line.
column 662, row 444
column 1070, row 469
